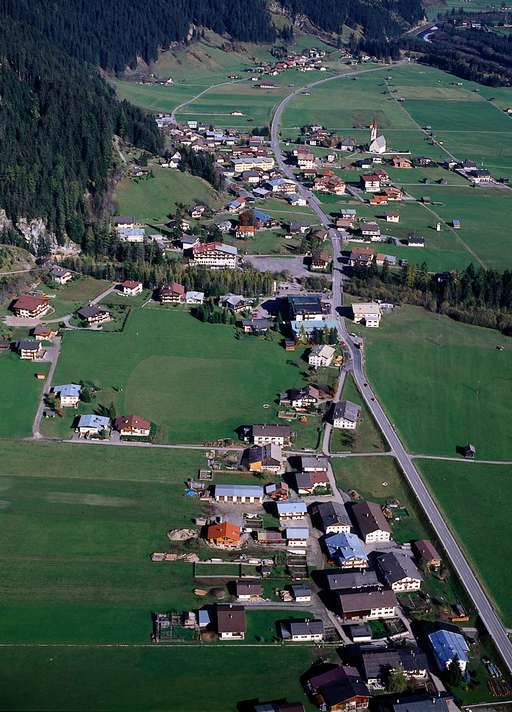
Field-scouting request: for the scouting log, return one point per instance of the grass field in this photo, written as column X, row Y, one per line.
column 151, row 201
column 195, row 380
column 443, row 383
column 476, row 501
column 66, row 299
column 19, row 395
column 367, row 437
column 165, row 678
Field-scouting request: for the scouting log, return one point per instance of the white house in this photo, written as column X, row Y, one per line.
column 68, row 394
column 321, row 356
column 367, row 313
column 194, row 297
column 297, row 536
column 131, row 288
column 371, row 522
column 302, row 631
column 93, row 425
column 346, row 415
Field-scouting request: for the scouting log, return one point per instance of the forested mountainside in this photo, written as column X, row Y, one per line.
column 114, row 34
column 57, row 122
column 378, row 18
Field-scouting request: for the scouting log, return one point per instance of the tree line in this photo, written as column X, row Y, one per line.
column 474, row 296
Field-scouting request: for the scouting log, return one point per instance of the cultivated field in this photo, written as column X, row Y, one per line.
column 195, row 380
column 443, row 383
column 475, row 499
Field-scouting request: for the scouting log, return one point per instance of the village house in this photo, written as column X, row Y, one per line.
column 376, row 665
column 44, row 332
column 271, row 434
column 248, row 589
column 351, row 581
column 238, row 494
column 94, row 314
column 60, row 275
column 301, row 593
column 345, row 415
column 401, row 162
column 346, row 550
column 30, row 307
column 131, row 234
column 291, row 509
column 426, row 554
column 250, row 162
column 126, row 221
column 339, row 688
column 298, row 631
column 321, row 356
column 481, row 176
column 303, row 398
column 130, row 288
column 371, row 231
column 255, row 326
column 93, row 425
column 367, row 313
column 30, row 350
column 223, row 534
column 68, row 394
column 361, row 256
column 231, row 622
column 132, row 426
column 346, row 144
column 173, row 293
column 197, row 211
column 392, row 217
column 320, row 261
column 306, row 483
column 330, row 517
column 330, row 184
column 264, row 458
column 415, row 240
column 371, row 522
column 296, row 537
column 368, row 605
column 215, row 255
column 305, row 158
column 398, row 572
column 245, row 232
column 297, row 200
column 236, row 303
column 193, row 297
column 277, row 491
column 447, row 645
column 370, row 183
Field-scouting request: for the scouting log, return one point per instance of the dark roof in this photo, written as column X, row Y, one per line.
column 369, row 518
column 338, row 692
column 273, row 431
column 396, row 566
column 230, row 619
column 420, row 703
column 248, row 586
column 91, row 310
column 377, row 663
column 426, row 550
column 352, row 580
column 28, row 345
column 366, row 600
column 329, row 513
column 348, row 410
column 304, row 627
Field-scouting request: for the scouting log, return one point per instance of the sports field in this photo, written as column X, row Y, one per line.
column 195, row 380
column 19, row 395
column 476, row 501
column 151, row 201
column 443, row 383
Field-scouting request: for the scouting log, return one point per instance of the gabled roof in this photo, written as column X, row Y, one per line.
column 369, row 518
column 224, row 530
column 238, row 491
column 330, row 513
column 395, row 566
column 29, row 302
column 347, row 410
column 291, row 507
column 448, row 644
column 345, row 546
column 351, row 580
column 69, row 390
column 131, row 422
column 230, row 618
column 94, row 421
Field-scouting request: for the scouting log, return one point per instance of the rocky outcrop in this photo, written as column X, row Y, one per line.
column 30, row 230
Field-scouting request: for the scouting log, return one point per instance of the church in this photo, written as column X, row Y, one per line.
column 377, row 143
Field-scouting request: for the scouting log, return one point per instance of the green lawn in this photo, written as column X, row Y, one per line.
column 475, row 497
column 66, row 299
column 150, row 201
column 443, row 383
column 164, row 678
column 195, row 380
column 367, row 437
column 19, row 394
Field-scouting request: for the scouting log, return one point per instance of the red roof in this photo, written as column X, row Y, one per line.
column 173, row 288
column 130, row 284
column 131, row 422
column 370, row 178
column 29, row 302
column 246, row 228
column 226, row 530
column 362, row 250
column 206, row 247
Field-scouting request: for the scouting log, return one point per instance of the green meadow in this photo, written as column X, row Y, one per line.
column 442, row 383
column 19, row 394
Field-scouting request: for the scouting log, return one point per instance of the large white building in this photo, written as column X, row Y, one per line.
column 215, row 255
column 367, row 313
column 345, row 415
column 321, row 356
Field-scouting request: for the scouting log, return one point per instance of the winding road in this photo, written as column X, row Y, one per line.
column 483, row 605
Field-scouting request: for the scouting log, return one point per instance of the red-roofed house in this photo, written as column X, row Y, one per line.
column 227, row 534
column 174, row 293
column 245, row 231
column 130, row 287
column 133, row 426
column 29, row 307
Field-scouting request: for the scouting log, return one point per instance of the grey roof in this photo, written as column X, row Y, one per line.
column 291, row 507
column 329, row 514
column 396, row 566
column 304, row 627
column 420, row 703
column 369, row 518
column 351, row 580
column 238, row 491
column 346, row 409
column 314, row 463
column 301, row 591
column 28, row 345
column 426, row 550
column 272, row 431
column 248, row 586
column 91, row 310
column 377, row 663
column 94, row 421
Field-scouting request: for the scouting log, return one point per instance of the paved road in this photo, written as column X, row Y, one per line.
column 480, row 600
column 54, row 351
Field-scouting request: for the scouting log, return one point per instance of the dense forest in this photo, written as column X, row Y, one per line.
column 57, row 122
column 113, row 35
column 379, row 19
column 482, row 297
column 473, row 54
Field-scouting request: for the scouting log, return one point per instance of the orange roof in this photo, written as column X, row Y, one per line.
column 131, row 422
column 226, row 530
